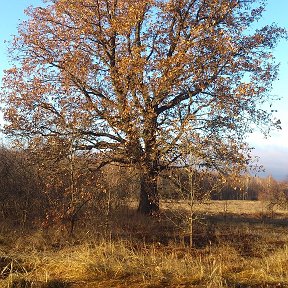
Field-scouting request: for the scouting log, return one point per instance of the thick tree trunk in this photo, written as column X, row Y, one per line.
column 149, row 198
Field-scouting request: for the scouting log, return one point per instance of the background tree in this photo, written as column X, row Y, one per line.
column 127, row 78
column 22, row 203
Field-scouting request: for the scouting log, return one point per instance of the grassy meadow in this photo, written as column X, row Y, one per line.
column 233, row 244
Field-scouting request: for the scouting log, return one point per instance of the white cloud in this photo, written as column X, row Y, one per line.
column 274, row 158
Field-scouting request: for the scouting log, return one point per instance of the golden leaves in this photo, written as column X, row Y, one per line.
column 127, row 16
column 121, row 64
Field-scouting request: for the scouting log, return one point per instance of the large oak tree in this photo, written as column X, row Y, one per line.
column 128, row 80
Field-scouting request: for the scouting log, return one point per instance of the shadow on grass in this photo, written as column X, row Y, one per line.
column 249, row 234
column 31, row 284
column 257, row 285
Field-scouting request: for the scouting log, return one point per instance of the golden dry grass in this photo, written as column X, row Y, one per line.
column 237, row 253
column 232, row 207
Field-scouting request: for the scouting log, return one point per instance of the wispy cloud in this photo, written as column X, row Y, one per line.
column 274, row 158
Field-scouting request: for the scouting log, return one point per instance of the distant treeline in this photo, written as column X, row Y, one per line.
column 181, row 183
column 35, row 191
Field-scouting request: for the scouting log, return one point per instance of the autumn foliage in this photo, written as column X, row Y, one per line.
column 134, row 82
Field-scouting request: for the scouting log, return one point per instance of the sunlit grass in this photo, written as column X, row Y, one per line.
column 240, row 254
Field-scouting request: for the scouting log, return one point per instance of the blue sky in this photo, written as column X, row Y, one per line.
column 273, row 152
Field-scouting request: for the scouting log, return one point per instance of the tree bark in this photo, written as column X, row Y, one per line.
column 149, row 197
column 149, row 167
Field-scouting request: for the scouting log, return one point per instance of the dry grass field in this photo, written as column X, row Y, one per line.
column 237, row 244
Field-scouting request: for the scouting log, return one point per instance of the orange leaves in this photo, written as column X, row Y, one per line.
column 147, row 72
column 127, row 15
column 76, row 63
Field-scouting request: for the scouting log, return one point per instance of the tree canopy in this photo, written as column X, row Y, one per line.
column 131, row 80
